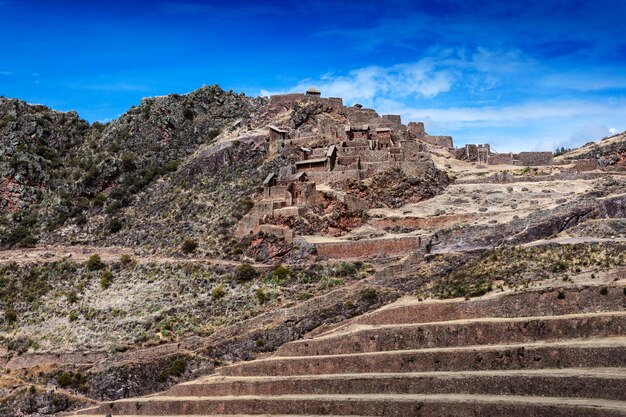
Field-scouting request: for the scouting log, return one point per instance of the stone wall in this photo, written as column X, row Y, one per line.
column 283, row 232
column 330, row 176
column 374, row 247
column 533, row 158
column 501, row 159
column 443, row 141
column 585, row 165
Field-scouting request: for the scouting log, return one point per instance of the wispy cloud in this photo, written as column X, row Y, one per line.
column 477, row 70
column 6, row 72
column 366, row 84
column 525, row 112
column 111, row 87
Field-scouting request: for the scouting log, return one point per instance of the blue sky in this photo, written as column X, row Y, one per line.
column 521, row 75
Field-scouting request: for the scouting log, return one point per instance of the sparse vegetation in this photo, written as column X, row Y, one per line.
column 115, row 225
column 369, row 295
column 218, row 292
column 245, row 272
column 94, row 263
column 175, row 369
column 189, row 246
column 106, row 279
column 127, row 261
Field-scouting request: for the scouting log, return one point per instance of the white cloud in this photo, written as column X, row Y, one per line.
column 528, row 111
column 420, row 79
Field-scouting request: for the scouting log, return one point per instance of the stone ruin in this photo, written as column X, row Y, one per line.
column 355, row 145
column 484, row 155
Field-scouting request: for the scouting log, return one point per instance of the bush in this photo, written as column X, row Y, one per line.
column 176, row 368
column 65, row 379
column 20, row 236
column 71, row 296
column 245, row 272
column 189, row 246
column 115, row 225
column 126, row 260
column 261, row 296
column 560, row 266
column 218, row 292
column 604, row 290
column 561, row 295
column 94, row 263
column 128, row 163
column 106, row 278
column 10, row 315
column 188, row 113
column 281, row 273
column 369, row 295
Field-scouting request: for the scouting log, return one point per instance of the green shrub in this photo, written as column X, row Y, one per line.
column 604, row 290
column 345, row 269
column 72, row 317
column 369, row 295
column 94, row 263
column 281, row 273
column 260, row 342
column 189, row 246
column 561, row 295
column 176, row 368
column 128, row 163
column 71, row 296
column 106, row 278
column 245, row 272
column 65, row 379
column 19, row 236
column 188, row 113
column 115, row 225
column 126, row 260
column 10, row 315
column 560, row 266
column 218, row 292
column 261, row 296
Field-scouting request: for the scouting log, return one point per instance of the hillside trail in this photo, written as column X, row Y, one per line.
column 53, row 253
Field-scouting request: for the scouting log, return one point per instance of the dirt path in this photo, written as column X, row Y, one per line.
column 108, row 254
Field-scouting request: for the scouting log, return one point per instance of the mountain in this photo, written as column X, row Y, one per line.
column 204, row 229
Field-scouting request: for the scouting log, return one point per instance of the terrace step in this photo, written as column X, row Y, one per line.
column 607, row 383
column 589, row 353
column 458, row 405
column 531, row 353
column 366, row 338
column 543, row 302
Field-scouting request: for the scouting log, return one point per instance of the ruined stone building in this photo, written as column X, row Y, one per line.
column 332, row 143
column 484, row 155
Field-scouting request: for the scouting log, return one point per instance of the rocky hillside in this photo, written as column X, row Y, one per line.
column 58, row 171
column 610, row 152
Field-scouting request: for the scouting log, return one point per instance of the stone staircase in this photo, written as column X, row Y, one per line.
column 546, row 352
